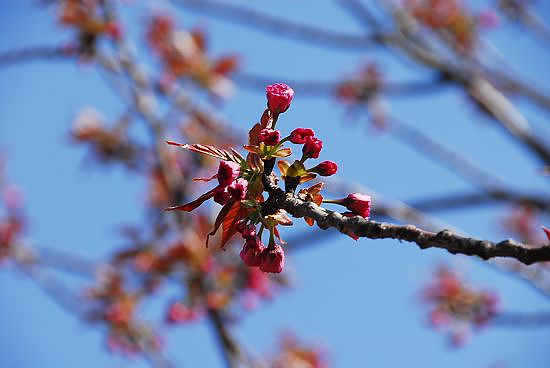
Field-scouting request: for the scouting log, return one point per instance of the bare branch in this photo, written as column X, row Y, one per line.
column 509, row 319
column 33, row 53
column 281, row 27
column 445, row 239
column 316, row 88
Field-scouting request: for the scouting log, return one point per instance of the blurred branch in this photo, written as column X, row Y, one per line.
column 144, row 101
column 509, row 319
column 281, row 27
column 33, row 53
column 314, row 88
column 471, row 199
column 359, row 11
column 461, row 165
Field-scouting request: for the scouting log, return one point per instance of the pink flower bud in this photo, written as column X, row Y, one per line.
column 227, row 172
column 221, row 195
column 359, row 204
column 252, row 251
column 279, row 97
column 237, row 189
column 180, row 313
column 272, row 259
column 325, row 168
column 270, row 137
column 299, row 135
column 312, row 147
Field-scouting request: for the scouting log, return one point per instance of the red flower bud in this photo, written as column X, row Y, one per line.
column 252, row 251
column 221, row 195
column 270, row 137
column 325, row 168
column 299, row 135
column 359, row 204
column 272, row 259
column 180, row 313
column 279, row 97
column 237, row 189
column 227, row 172
column 312, row 147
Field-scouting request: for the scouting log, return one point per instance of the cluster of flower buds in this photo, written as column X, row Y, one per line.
column 183, row 54
column 451, row 20
column 85, row 17
column 456, row 307
column 107, row 144
column 114, row 306
column 243, row 181
column 363, row 90
column 524, row 223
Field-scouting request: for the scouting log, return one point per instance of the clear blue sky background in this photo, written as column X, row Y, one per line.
column 356, row 298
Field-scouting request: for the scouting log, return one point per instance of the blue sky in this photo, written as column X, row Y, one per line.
column 356, row 298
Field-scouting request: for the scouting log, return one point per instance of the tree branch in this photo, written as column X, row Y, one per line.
column 276, row 26
column 445, row 239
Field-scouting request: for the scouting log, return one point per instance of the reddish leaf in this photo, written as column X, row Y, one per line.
column 235, row 213
column 211, row 151
column 283, row 152
column 276, row 232
column 307, row 177
column 547, row 232
column 254, row 135
column 309, row 221
column 252, row 149
column 283, row 167
column 219, row 219
column 206, row 179
column 194, row 204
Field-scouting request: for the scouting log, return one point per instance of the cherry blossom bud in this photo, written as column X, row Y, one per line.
column 273, row 259
column 270, row 136
column 221, row 195
column 299, row 135
column 359, row 204
column 227, row 172
column 279, row 97
column 325, row 168
column 237, row 189
column 180, row 313
column 312, row 147
column 252, row 251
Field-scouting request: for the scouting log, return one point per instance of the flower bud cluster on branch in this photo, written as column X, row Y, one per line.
column 244, row 181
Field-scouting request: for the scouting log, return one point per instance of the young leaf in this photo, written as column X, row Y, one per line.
column 283, row 152
column 194, row 204
column 235, row 213
column 211, row 151
column 219, row 219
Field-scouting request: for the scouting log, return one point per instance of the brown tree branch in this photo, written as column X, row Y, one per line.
column 445, row 239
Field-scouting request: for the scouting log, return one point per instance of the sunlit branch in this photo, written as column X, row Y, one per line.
column 445, row 239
